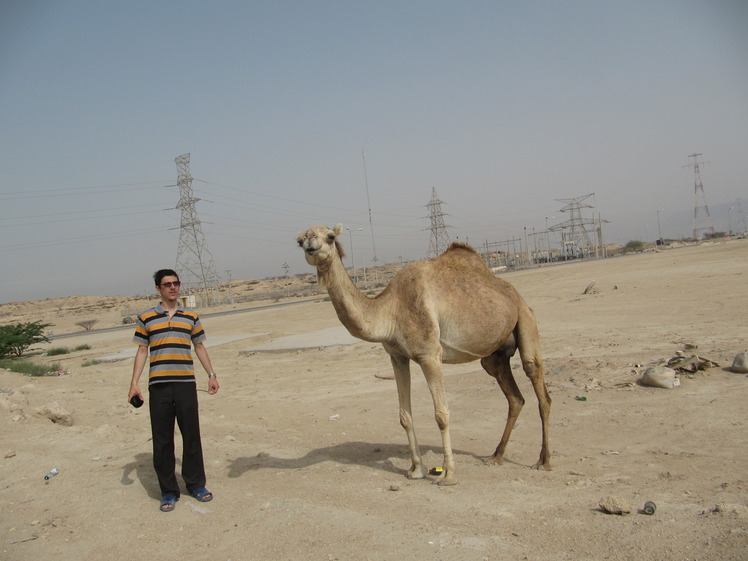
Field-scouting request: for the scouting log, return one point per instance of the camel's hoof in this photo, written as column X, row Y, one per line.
column 417, row 473
column 544, row 466
column 493, row 460
column 445, row 482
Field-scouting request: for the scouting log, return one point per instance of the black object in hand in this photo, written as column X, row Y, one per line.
column 135, row 401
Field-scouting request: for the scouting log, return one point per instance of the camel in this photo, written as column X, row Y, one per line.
column 449, row 309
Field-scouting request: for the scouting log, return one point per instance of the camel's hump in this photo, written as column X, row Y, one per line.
column 455, row 246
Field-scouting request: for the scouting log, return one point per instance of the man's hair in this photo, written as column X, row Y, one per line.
column 161, row 273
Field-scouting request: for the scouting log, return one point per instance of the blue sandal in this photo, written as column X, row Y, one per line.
column 168, row 503
column 202, row 494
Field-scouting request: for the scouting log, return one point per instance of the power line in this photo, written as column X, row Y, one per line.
column 97, row 211
column 89, row 238
column 77, row 191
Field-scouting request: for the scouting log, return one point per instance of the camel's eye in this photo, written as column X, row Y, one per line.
column 330, row 238
column 300, row 241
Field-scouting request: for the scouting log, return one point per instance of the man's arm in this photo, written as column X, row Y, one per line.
column 202, row 355
column 140, row 359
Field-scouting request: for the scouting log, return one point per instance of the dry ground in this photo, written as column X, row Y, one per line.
column 292, row 483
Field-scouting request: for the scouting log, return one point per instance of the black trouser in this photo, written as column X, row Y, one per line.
column 169, row 401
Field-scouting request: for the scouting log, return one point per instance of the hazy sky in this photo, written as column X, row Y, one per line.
column 502, row 107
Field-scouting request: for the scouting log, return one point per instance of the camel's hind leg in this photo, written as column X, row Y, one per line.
column 497, row 365
column 528, row 343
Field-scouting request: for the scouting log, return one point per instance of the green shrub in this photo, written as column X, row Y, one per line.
column 64, row 350
column 93, row 362
column 28, row 368
column 634, row 245
column 16, row 339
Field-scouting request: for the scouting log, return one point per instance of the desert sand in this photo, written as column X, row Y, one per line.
column 307, row 460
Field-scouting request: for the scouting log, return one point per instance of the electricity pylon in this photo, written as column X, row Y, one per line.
column 577, row 240
column 702, row 221
column 439, row 236
column 194, row 260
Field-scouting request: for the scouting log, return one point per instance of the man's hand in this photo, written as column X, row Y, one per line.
column 134, row 390
column 213, row 385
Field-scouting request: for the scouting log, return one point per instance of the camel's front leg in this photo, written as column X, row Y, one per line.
column 401, row 366
column 432, row 370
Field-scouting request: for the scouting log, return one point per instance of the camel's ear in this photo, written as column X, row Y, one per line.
column 338, row 230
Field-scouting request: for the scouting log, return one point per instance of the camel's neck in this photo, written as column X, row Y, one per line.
column 356, row 311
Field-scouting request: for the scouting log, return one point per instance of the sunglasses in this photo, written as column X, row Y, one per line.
column 175, row 284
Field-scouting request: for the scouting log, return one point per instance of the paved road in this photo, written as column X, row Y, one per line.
column 205, row 315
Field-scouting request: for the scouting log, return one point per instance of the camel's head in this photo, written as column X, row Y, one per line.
column 320, row 244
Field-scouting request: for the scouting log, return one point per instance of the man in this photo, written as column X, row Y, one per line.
column 169, row 330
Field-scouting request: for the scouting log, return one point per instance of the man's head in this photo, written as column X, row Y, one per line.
column 159, row 275
column 167, row 284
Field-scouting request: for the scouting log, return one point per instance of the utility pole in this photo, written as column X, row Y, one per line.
column 353, row 258
column 659, row 230
column 368, row 201
column 194, row 260
column 231, row 296
column 439, row 236
column 288, row 284
column 702, row 221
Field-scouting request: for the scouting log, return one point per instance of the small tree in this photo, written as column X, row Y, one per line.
column 634, row 245
column 16, row 339
column 87, row 324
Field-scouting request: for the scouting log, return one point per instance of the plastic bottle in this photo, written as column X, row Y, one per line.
column 51, row 474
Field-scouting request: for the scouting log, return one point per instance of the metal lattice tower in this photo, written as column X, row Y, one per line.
column 439, row 236
column 194, row 260
column 574, row 231
column 702, row 221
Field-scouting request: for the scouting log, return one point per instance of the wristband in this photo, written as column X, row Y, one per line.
column 212, row 375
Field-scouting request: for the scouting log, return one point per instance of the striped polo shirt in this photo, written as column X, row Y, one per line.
column 169, row 342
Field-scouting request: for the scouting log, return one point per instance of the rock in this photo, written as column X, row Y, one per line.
column 56, row 413
column 615, row 505
column 10, row 453
column 740, row 364
column 659, row 377
column 728, row 509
